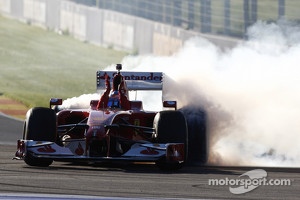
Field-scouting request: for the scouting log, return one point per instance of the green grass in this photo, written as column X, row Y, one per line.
column 36, row 64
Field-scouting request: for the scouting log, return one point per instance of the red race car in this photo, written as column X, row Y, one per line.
column 114, row 128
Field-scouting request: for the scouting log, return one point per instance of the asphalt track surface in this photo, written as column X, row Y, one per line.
column 115, row 181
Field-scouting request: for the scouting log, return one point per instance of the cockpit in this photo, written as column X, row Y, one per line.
column 114, row 100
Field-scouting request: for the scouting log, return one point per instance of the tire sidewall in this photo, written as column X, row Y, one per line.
column 170, row 127
column 40, row 125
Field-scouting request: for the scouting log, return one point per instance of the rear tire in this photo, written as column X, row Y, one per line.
column 40, row 125
column 196, row 118
column 170, row 127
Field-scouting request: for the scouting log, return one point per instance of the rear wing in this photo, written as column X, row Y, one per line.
column 134, row 80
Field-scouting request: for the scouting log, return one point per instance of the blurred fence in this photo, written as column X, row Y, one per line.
column 159, row 27
column 222, row 17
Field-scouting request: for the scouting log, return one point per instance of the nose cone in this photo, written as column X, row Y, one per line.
column 96, row 132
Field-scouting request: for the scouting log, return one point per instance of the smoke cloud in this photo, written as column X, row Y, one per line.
column 81, row 102
column 250, row 93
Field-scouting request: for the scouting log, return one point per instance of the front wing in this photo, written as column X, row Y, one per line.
column 75, row 151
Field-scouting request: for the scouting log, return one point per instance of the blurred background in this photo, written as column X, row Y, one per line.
column 222, row 17
column 151, row 26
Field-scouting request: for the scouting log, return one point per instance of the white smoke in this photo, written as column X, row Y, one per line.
column 81, row 102
column 251, row 93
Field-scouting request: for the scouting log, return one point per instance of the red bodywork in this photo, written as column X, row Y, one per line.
column 117, row 132
column 98, row 125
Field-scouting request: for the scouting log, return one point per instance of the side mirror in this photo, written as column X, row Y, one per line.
column 55, row 101
column 170, row 104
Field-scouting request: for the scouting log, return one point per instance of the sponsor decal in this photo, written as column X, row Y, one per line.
column 46, row 149
column 79, row 151
column 145, row 76
column 134, row 80
column 149, row 151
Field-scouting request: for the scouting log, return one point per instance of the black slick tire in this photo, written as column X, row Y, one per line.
column 40, row 125
column 170, row 127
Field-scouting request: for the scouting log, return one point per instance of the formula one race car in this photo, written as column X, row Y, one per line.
column 114, row 128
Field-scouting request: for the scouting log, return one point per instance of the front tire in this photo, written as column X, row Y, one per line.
column 170, row 127
column 40, row 125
